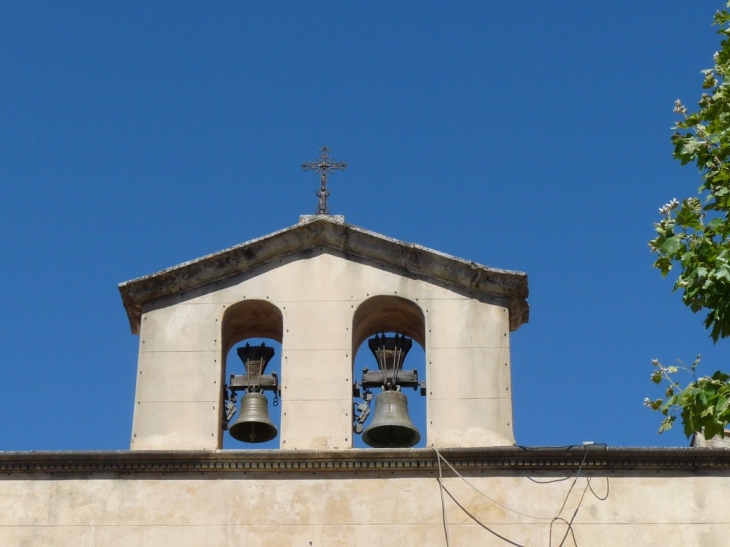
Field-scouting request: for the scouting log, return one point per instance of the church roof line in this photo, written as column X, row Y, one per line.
column 497, row 459
column 330, row 232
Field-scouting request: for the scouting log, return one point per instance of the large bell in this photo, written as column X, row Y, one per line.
column 253, row 424
column 391, row 426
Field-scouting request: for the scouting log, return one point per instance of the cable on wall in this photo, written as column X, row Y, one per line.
column 558, row 517
column 480, row 523
column 440, row 457
column 570, row 531
column 443, row 505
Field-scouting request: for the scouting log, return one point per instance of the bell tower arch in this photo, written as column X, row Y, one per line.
column 388, row 313
column 247, row 380
column 382, row 417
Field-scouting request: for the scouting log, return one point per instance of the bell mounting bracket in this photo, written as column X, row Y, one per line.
column 255, row 359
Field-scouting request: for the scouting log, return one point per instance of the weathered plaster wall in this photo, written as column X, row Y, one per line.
column 322, row 509
column 178, row 398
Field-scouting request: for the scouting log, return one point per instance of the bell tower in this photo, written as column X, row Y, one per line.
column 321, row 288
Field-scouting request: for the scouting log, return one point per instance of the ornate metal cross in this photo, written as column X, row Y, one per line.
column 323, row 166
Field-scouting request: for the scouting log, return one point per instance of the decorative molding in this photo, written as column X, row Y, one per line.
column 508, row 459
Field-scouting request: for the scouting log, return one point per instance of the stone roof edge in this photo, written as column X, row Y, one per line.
column 596, row 458
column 334, row 233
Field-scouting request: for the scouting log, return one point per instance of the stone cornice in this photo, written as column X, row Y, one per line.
column 330, row 233
column 508, row 459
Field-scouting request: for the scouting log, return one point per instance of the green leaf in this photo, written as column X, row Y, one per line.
column 671, row 245
column 688, row 218
column 693, row 236
column 666, row 424
column 721, row 405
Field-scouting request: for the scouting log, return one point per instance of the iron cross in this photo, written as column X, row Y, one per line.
column 323, row 166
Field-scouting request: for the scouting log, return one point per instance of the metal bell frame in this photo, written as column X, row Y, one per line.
column 253, row 424
column 391, row 426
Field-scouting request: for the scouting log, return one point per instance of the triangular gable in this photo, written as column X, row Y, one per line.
column 330, row 233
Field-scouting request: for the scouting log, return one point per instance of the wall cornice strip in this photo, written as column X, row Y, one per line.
column 15, row 464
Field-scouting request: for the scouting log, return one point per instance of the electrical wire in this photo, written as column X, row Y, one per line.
column 561, row 479
column 570, row 530
column 608, row 489
column 580, row 502
column 552, row 520
column 575, row 479
column 443, row 505
column 487, row 528
column 440, row 457
column 570, row 523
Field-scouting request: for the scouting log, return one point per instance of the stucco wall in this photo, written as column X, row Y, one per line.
column 363, row 509
column 180, row 376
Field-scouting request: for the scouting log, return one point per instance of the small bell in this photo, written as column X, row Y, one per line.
column 391, row 426
column 253, row 424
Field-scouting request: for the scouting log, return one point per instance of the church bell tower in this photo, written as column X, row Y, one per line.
column 321, row 288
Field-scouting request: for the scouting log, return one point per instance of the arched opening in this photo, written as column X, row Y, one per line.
column 251, row 409
column 389, row 336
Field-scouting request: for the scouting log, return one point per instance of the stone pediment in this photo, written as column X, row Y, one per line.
column 331, row 233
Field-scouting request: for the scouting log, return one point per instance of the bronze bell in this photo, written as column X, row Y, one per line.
column 391, row 426
column 253, row 424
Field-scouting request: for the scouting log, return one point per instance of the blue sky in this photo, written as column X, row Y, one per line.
column 529, row 136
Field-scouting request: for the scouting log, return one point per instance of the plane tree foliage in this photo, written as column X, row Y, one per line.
column 693, row 238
